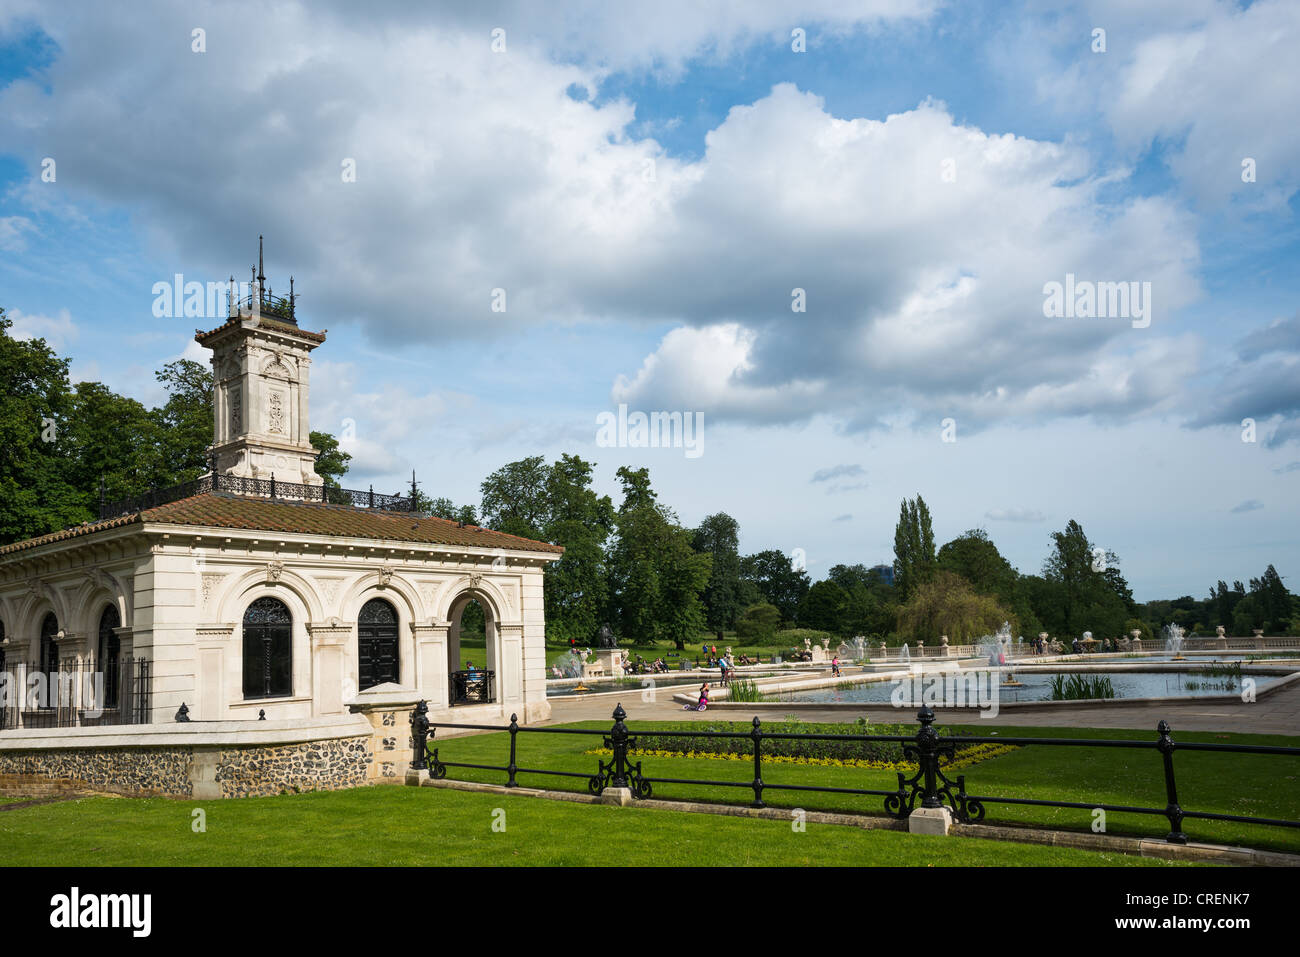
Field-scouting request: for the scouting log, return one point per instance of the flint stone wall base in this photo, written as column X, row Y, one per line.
column 218, row 769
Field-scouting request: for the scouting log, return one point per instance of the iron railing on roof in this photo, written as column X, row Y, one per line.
column 259, row 488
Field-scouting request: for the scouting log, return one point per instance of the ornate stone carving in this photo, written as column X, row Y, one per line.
column 385, row 576
column 275, row 414
column 209, row 584
column 236, row 410
column 273, row 572
column 475, row 580
column 329, row 588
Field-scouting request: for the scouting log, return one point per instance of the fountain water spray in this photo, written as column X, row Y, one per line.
column 1174, row 641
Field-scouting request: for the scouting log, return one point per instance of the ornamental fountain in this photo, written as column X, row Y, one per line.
column 1174, row 641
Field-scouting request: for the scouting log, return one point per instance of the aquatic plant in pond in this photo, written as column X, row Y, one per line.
column 1081, row 687
column 744, row 689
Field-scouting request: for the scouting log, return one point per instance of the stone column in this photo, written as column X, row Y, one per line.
column 510, row 669
column 431, row 664
column 211, row 681
column 330, row 668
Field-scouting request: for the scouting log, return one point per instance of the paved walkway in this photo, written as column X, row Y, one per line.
column 1275, row 714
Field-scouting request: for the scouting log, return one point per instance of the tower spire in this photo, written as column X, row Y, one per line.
column 261, row 279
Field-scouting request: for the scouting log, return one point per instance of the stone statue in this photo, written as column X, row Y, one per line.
column 607, row 639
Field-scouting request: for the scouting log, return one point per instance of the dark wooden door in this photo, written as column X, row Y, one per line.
column 376, row 644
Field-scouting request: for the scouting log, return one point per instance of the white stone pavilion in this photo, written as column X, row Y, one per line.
column 247, row 593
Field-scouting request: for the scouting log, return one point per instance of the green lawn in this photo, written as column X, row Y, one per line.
column 401, row 825
column 430, row 826
column 1255, row 785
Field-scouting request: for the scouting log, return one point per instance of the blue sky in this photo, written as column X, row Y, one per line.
column 525, row 169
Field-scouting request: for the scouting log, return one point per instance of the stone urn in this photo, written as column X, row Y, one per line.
column 1137, row 638
column 943, row 645
column 1222, row 640
column 920, row 649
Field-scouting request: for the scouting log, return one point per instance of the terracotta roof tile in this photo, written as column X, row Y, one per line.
column 216, row 510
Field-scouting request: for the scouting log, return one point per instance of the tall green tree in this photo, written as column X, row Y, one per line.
column 36, row 493
column 576, row 587
column 556, row 503
column 331, row 464
column 656, row 577
column 1273, row 598
column 777, row 579
column 947, row 605
column 514, row 498
column 1090, row 592
column 824, row 607
column 914, row 558
column 719, row 536
column 974, row 557
column 116, row 441
column 185, row 420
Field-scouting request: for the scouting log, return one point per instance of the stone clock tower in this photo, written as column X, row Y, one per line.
column 260, row 370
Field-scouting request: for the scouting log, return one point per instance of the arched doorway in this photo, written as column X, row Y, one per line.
column 268, row 649
column 376, row 644
column 472, row 651
column 109, row 654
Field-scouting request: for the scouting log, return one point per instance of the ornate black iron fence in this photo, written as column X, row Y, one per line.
column 264, row 488
column 473, row 687
column 81, row 693
column 929, row 786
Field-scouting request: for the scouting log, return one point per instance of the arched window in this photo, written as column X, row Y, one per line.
column 268, row 649
column 49, row 657
column 376, row 644
column 110, row 650
column 49, row 649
